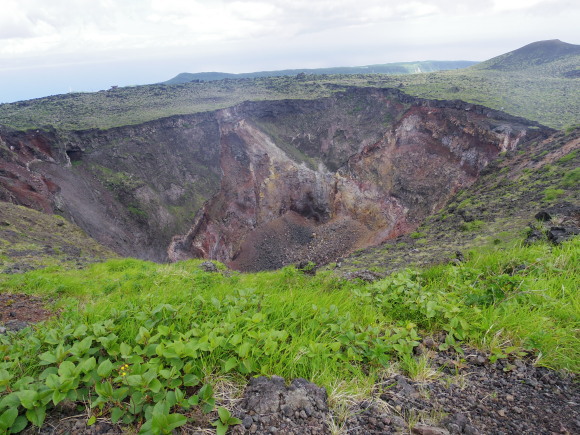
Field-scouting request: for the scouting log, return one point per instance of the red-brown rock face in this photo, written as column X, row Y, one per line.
column 314, row 181
column 18, row 183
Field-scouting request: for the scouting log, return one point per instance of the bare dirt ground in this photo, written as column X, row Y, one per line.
column 19, row 310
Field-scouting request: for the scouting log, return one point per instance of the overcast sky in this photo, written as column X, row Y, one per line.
column 55, row 46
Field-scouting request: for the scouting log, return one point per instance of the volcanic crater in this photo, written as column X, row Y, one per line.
column 262, row 184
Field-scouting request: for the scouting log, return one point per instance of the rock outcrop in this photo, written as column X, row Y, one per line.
column 261, row 184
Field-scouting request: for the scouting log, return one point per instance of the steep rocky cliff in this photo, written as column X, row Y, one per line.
column 130, row 188
column 261, row 184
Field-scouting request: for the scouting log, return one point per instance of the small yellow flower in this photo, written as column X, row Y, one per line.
column 123, row 369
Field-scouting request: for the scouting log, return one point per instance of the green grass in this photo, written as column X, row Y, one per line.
column 551, row 194
column 475, row 225
column 129, row 328
column 568, row 157
column 572, row 178
column 31, row 239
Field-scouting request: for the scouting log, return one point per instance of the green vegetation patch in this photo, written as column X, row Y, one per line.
column 30, row 239
column 475, row 225
column 145, row 343
column 571, row 178
column 568, row 157
column 551, row 194
column 119, row 182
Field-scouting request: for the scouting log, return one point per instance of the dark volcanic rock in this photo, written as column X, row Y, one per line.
column 470, row 396
column 569, row 213
column 15, row 325
column 543, row 216
column 476, row 397
column 271, row 407
column 558, row 234
column 364, row 275
column 534, row 235
column 208, row 266
column 66, row 421
column 422, row 429
column 307, row 267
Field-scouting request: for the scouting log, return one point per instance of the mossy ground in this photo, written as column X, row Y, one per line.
column 30, row 239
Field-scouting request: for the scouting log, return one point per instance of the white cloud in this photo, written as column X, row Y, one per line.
column 249, row 35
column 69, row 26
column 512, row 5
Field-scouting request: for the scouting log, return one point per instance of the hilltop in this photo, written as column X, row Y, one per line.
column 532, row 56
column 539, row 81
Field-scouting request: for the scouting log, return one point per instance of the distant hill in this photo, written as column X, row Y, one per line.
column 539, row 81
column 533, row 55
column 387, row 68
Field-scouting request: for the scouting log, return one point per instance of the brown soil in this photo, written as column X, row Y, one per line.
column 19, row 310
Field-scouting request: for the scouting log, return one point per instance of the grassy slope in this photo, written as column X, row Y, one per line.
column 132, row 329
column 534, row 93
column 531, row 82
column 30, row 239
